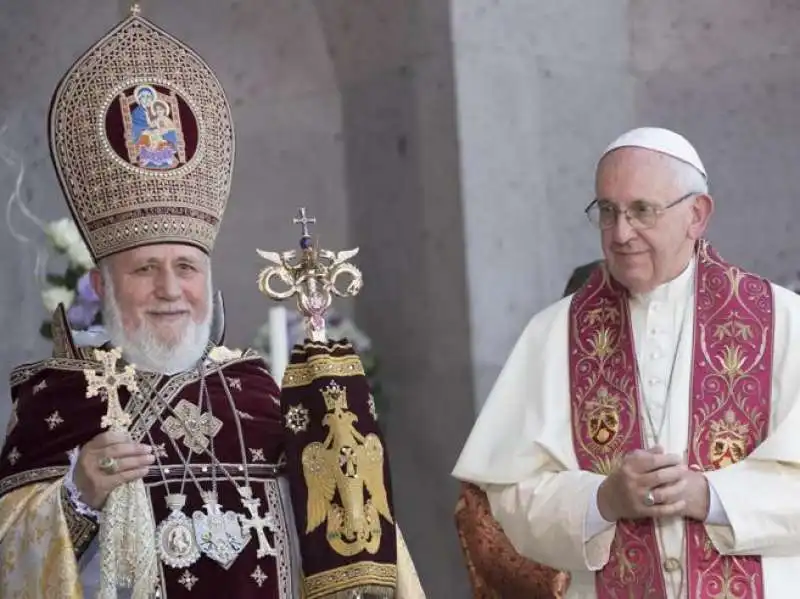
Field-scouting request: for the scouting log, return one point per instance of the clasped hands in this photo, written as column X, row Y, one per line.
column 653, row 484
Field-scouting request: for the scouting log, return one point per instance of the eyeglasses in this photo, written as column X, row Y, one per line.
column 640, row 214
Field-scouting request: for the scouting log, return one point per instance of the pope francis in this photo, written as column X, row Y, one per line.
column 643, row 434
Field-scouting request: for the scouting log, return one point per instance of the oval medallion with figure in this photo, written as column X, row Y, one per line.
column 152, row 127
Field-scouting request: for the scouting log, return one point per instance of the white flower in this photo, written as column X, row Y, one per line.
column 52, row 296
column 79, row 255
column 63, row 234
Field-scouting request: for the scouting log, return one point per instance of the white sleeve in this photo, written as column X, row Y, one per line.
column 595, row 523
column 73, row 493
column 764, row 521
column 545, row 518
column 716, row 511
column 759, row 493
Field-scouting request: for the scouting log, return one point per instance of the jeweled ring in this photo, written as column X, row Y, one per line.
column 107, row 465
column 649, row 499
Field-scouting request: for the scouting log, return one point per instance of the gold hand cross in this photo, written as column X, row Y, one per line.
column 107, row 385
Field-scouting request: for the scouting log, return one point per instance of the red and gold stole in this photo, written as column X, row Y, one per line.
column 729, row 415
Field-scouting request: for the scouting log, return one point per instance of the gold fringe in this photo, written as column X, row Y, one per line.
column 319, row 366
column 337, row 345
column 342, row 581
column 367, row 592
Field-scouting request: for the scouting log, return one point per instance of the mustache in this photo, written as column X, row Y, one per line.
column 147, row 348
column 167, row 309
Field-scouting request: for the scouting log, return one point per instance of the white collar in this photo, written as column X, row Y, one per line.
column 677, row 288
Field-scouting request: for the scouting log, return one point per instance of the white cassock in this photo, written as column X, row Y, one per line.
column 520, row 450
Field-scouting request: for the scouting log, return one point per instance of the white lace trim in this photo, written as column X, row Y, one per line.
column 72, row 491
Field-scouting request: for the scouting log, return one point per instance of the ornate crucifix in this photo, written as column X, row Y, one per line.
column 107, row 385
column 257, row 523
column 304, row 221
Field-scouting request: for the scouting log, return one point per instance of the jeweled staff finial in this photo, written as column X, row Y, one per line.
column 311, row 277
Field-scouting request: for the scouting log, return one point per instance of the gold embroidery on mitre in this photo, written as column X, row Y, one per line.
column 352, row 464
column 142, row 140
column 602, row 418
column 728, row 441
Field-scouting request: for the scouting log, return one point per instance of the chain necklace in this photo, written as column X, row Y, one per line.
column 657, row 432
column 219, row 535
column 670, row 564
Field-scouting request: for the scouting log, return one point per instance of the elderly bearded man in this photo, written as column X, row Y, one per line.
column 205, row 438
column 642, row 435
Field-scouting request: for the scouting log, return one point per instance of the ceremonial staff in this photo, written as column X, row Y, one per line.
column 336, row 459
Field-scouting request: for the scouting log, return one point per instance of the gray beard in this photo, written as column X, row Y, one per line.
column 145, row 351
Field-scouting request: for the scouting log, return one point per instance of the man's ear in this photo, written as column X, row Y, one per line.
column 702, row 209
column 97, row 282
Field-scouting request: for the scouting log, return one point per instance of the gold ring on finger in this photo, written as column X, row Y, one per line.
column 107, row 464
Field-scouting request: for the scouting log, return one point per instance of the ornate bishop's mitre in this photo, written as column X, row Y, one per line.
column 142, row 139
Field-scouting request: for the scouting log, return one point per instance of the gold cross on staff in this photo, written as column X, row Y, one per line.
column 107, row 386
column 256, row 522
column 303, row 220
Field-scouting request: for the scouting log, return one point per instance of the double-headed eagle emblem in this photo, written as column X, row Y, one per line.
column 352, row 464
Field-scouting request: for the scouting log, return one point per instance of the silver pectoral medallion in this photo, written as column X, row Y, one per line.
column 175, row 538
column 218, row 534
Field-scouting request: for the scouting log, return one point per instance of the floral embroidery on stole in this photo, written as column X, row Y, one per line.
column 729, row 417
